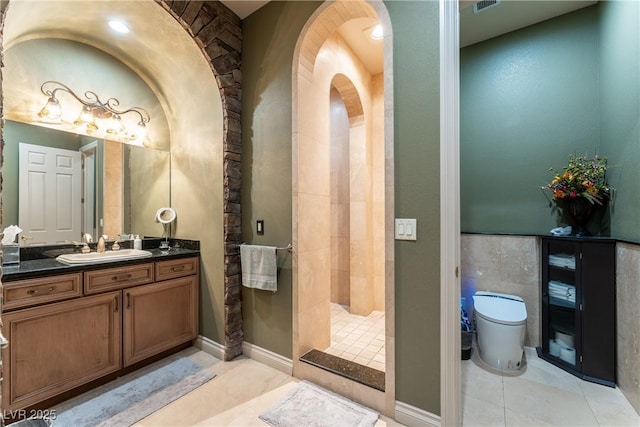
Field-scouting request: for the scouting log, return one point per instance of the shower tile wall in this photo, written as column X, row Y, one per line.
column 628, row 302
column 504, row 264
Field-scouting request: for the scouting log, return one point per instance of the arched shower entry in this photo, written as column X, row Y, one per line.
column 342, row 191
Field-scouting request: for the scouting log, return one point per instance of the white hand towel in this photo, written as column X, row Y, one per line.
column 259, row 267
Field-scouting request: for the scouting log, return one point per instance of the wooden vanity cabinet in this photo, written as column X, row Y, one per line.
column 56, row 347
column 158, row 317
column 124, row 317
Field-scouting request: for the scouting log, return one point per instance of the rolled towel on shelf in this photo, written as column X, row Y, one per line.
column 259, row 267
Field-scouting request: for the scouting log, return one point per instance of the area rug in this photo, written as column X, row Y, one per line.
column 128, row 399
column 309, row 405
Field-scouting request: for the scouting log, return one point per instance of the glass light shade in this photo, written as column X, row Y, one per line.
column 115, row 126
column 51, row 112
column 141, row 131
column 92, row 127
column 85, row 116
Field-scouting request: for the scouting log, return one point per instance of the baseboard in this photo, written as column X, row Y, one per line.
column 415, row 417
column 268, row 358
column 209, row 346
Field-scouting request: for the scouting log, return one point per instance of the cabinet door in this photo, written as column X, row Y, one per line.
column 159, row 316
column 599, row 311
column 57, row 347
column 561, row 302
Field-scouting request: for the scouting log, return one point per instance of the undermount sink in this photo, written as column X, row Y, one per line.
column 107, row 256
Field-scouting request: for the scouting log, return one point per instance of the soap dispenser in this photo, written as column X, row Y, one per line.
column 137, row 242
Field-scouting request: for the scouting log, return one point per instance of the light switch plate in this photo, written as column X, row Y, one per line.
column 406, row 229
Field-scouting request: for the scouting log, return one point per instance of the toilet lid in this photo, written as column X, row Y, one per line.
column 500, row 308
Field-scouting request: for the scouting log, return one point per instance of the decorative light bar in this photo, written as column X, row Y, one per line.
column 94, row 114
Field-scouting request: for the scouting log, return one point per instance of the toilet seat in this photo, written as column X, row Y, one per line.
column 500, row 308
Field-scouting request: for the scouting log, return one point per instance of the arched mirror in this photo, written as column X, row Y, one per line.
column 103, row 186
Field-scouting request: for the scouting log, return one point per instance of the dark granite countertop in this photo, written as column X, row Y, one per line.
column 43, row 266
column 345, row 368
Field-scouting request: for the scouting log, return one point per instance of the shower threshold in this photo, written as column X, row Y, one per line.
column 345, row 368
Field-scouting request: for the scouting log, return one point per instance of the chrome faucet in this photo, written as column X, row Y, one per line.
column 100, row 247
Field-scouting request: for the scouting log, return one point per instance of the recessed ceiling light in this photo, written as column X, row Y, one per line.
column 377, row 33
column 119, row 26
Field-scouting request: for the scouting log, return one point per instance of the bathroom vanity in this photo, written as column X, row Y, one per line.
column 68, row 326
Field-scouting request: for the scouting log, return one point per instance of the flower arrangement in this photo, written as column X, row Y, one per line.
column 582, row 177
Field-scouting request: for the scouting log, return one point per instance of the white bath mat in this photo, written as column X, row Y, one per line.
column 312, row 406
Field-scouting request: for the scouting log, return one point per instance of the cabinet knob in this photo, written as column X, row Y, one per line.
column 37, row 291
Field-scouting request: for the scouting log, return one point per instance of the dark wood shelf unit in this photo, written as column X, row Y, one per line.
column 578, row 305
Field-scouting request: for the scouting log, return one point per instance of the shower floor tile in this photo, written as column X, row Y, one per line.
column 356, row 338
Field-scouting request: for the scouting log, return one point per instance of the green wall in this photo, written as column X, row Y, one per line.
column 269, row 37
column 417, row 195
column 530, row 98
column 620, row 110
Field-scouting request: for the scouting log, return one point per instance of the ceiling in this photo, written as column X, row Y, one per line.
column 507, row 16
column 84, row 21
column 244, row 8
column 510, row 15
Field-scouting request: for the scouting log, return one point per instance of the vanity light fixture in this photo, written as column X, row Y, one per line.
column 94, row 111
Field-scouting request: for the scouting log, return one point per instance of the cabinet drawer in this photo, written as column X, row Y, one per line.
column 25, row 293
column 117, row 278
column 172, row 269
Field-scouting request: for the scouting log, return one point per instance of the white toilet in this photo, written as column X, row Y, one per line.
column 501, row 322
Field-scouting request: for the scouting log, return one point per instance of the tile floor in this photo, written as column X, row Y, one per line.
column 357, row 338
column 240, row 392
column 540, row 395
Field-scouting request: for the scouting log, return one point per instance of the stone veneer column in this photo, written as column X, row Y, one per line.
column 218, row 32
